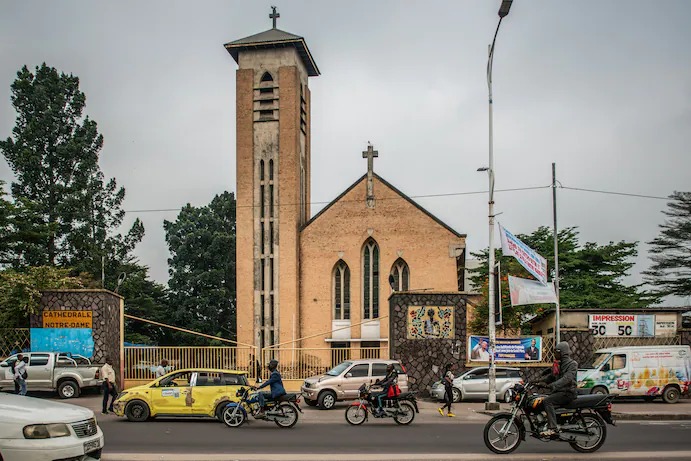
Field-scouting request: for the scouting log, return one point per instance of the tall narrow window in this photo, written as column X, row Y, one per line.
column 271, row 170
column 267, row 77
column 341, row 291
column 401, row 275
column 261, row 170
column 370, row 279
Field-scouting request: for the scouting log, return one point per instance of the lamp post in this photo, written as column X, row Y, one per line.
column 492, row 400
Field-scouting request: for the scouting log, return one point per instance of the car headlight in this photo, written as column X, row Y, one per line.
column 46, row 431
column 307, row 385
column 121, row 395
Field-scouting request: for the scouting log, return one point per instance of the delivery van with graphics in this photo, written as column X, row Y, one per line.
column 640, row 371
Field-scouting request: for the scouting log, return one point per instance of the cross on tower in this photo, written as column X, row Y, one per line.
column 370, row 154
column 274, row 15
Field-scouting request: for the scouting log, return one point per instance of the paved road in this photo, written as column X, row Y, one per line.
column 640, row 440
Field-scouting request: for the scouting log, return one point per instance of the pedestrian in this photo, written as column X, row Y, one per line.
column 20, row 374
column 162, row 369
column 447, row 380
column 108, row 386
column 16, row 383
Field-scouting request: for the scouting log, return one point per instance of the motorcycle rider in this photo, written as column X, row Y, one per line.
column 562, row 382
column 391, row 379
column 275, row 382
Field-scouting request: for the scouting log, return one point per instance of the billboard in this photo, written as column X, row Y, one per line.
column 527, row 349
column 632, row 325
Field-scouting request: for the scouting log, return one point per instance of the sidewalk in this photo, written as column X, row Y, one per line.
column 466, row 412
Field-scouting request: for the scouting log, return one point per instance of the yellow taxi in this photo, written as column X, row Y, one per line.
column 188, row 392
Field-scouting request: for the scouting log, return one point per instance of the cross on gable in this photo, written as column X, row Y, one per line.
column 274, row 15
column 370, row 154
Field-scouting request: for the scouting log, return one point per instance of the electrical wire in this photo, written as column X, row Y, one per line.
column 625, row 194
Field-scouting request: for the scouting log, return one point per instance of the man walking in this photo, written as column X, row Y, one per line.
column 447, row 380
column 20, row 374
column 108, row 386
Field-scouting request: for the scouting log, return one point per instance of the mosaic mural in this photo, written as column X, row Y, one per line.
column 430, row 322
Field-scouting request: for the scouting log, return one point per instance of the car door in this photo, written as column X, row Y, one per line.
column 6, row 375
column 476, row 384
column 353, row 378
column 171, row 396
column 208, row 389
column 40, row 371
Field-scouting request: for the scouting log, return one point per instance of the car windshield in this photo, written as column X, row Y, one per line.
column 338, row 369
column 599, row 358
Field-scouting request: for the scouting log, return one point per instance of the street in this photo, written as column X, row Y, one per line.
column 663, row 440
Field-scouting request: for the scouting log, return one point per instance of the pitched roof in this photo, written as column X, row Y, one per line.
column 275, row 38
column 390, row 186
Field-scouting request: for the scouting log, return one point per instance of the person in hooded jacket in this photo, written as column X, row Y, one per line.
column 562, row 383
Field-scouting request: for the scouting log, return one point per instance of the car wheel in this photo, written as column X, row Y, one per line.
column 219, row 410
column 311, row 403
column 137, row 411
column 456, row 395
column 599, row 390
column 68, row 389
column 327, row 400
column 670, row 394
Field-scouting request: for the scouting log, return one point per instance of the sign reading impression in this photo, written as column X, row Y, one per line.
column 67, row 319
column 637, row 325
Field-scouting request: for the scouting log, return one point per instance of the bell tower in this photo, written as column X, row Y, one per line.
column 273, row 180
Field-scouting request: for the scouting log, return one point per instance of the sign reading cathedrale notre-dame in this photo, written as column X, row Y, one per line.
column 430, row 322
column 67, row 319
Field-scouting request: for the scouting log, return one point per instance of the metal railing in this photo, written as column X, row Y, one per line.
column 14, row 340
column 301, row 363
column 626, row 341
column 141, row 362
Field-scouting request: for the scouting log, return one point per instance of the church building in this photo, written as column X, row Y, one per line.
column 325, row 277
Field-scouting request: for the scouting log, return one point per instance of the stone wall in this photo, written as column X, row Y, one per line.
column 582, row 343
column 105, row 307
column 420, row 355
column 685, row 337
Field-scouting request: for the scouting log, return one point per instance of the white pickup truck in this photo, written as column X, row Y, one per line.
column 53, row 371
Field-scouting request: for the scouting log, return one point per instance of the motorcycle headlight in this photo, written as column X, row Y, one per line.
column 46, row 431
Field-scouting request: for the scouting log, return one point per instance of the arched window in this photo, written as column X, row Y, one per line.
column 267, row 77
column 341, row 291
column 400, row 275
column 370, row 279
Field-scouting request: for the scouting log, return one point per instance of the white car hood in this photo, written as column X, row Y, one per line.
column 28, row 410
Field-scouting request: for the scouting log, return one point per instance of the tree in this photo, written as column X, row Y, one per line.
column 590, row 277
column 671, row 250
column 53, row 152
column 202, row 267
column 20, row 292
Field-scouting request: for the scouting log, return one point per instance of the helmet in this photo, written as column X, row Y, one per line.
column 273, row 364
column 389, row 367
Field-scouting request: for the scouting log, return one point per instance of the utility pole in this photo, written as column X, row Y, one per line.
column 557, row 323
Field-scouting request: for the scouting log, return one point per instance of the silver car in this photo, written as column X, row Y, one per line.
column 474, row 384
column 343, row 381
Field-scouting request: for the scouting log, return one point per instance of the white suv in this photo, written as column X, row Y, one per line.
column 474, row 384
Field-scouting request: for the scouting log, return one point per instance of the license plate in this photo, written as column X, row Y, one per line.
column 91, row 446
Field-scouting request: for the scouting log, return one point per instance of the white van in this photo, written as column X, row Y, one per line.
column 640, row 371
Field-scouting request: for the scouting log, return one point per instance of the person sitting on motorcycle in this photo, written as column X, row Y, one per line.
column 391, row 379
column 277, row 389
column 562, row 382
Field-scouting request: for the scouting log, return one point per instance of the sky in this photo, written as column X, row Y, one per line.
column 602, row 89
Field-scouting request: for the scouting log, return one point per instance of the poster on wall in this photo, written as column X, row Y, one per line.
column 618, row 325
column 75, row 340
column 527, row 349
column 430, row 322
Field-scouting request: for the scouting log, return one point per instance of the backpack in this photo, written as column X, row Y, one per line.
column 394, row 391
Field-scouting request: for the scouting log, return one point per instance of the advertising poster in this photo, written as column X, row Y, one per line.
column 529, row 258
column 528, row 349
column 430, row 322
column 617, row 325
column 524, row 291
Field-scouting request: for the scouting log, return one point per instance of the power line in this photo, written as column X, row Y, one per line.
column 625, row 194
column 450, row 194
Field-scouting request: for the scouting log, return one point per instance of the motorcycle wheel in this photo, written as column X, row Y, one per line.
column 595, row 424
column 355, row 415
column 233, row 421
column 405, row 414
column 493, row 438
column 288, row 417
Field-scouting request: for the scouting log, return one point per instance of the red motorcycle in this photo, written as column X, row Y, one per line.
column 402, row 408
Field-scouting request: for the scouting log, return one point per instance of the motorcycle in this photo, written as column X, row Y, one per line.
column 402, row 408
column 284, row 411
column 582, row 421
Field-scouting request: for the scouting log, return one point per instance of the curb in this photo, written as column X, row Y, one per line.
column 631, row 416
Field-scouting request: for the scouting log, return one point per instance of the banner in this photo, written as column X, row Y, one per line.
column 75, row 340
column 530, row 259
column 641, row 326
column 527, row 349
column 524, row 291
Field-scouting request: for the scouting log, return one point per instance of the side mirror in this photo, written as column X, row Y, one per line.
column 4, row 365
column 259, row 380
column 349, row 375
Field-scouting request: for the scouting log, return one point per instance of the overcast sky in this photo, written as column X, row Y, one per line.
column 602, row 88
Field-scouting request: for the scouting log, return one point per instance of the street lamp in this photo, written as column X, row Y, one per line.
column 492, row 400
